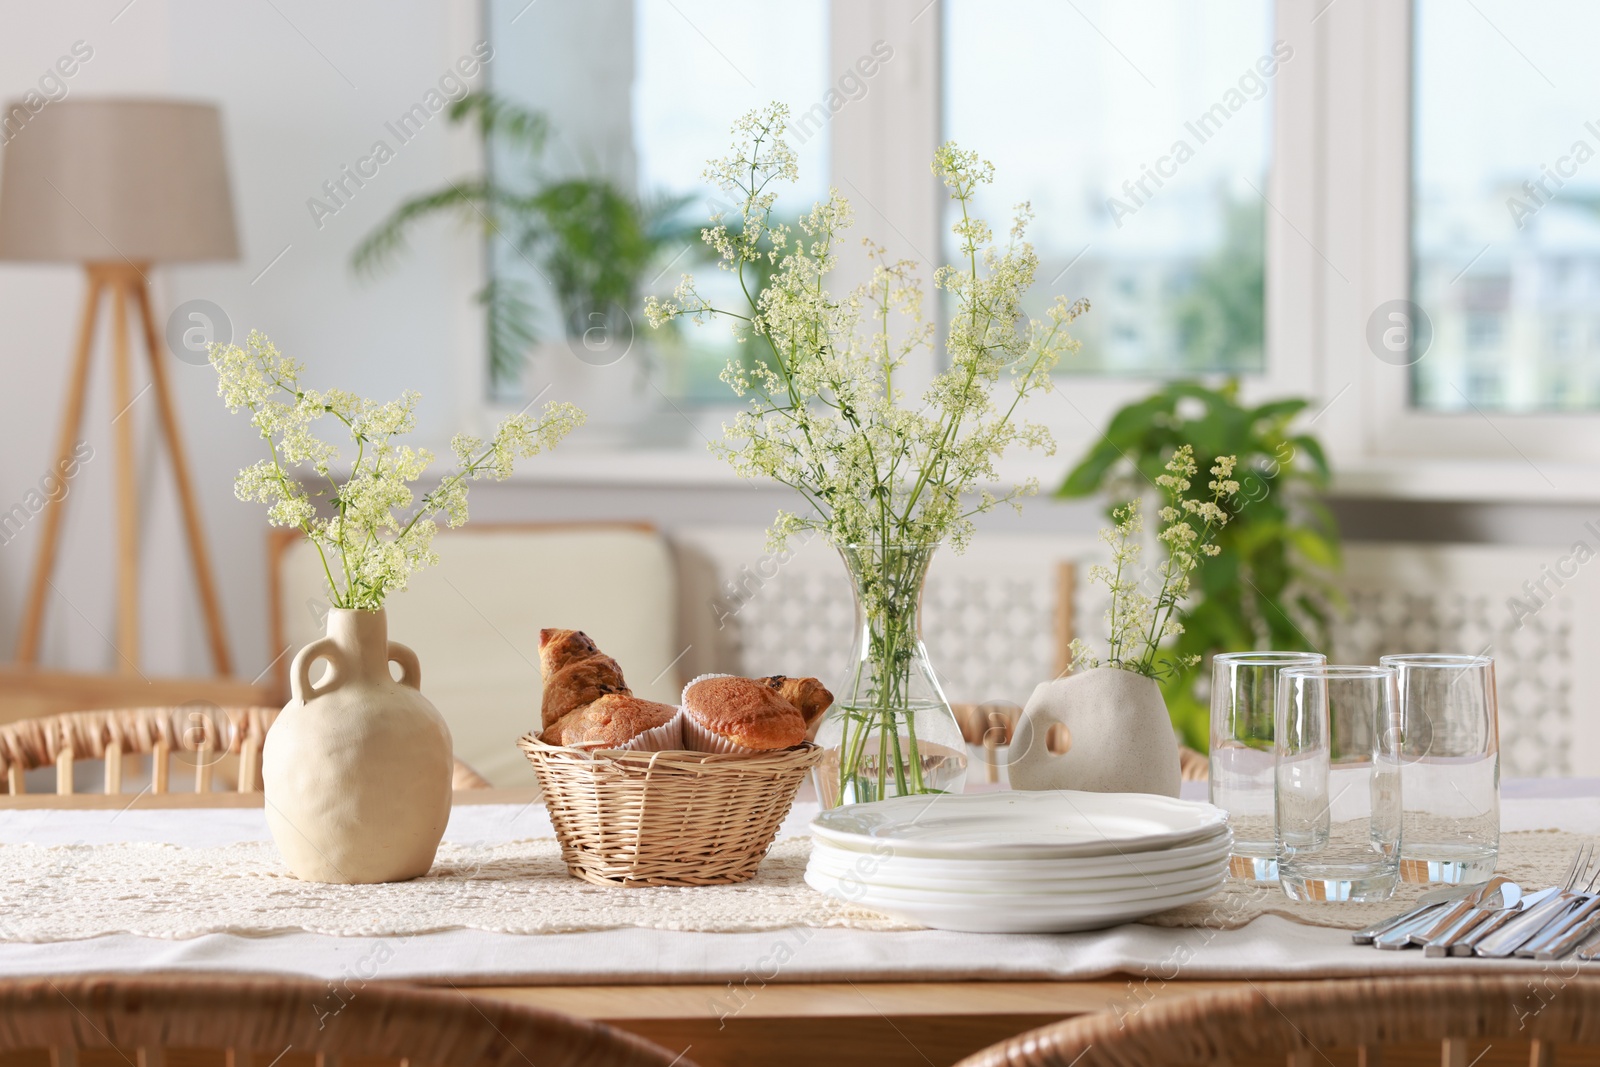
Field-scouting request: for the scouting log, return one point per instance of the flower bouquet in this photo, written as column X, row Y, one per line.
column 885, row 477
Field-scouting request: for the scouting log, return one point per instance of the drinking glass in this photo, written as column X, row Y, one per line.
column 1449, row 767
column 1244, row 695
column 1337, row 740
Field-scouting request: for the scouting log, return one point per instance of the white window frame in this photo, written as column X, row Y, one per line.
column 1361, row 172
column 891, row 133
column 1338, row 245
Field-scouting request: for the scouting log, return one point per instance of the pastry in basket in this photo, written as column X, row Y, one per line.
column 722, row 713
column 575, row 672
column 613, row 720
column 807, row 694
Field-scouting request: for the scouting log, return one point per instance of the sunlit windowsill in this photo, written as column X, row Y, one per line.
column 1433, row 480
column 676, row 467
column 1473, row 481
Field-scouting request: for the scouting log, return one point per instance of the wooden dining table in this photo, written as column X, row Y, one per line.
column 883, row 1022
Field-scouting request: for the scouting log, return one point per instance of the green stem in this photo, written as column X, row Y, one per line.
column 888, row 579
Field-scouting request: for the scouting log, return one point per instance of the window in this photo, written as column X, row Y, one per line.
column 645, row 119
column 1505, row 194
column 1250, row 187
column 1140, row 133
column 702, row 64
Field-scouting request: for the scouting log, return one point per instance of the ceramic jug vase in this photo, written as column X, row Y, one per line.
column 357, row 769
column 1105, row 731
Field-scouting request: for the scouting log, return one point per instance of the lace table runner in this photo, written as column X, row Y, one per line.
column 1531, row 858
column 65, row 893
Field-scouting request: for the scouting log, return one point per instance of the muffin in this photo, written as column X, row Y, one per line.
column 722, row 713
column 618, row 720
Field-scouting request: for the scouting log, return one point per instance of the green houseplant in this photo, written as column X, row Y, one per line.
column 1270, row 585
column 590, row 239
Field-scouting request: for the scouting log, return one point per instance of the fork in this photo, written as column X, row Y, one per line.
column 1467, row 943
column 1521, row 927
column 1572, row 925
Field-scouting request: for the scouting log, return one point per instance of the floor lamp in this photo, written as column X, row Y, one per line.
column 118, row 185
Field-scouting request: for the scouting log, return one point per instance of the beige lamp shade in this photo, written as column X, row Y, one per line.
column 137, row 180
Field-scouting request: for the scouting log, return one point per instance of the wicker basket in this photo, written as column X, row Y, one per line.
column 666, row 818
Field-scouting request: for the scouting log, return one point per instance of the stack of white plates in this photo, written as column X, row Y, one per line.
column 1020, row 862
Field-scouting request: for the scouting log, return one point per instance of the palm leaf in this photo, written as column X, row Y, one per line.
column 500, row 120
column 511, row 317
column 384, row 244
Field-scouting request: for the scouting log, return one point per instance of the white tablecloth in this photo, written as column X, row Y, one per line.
column 1270, row 947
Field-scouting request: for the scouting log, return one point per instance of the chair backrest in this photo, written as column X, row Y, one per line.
column 214, row 741
column 257, row 1022
column 474, row 621
column 1452, row 1020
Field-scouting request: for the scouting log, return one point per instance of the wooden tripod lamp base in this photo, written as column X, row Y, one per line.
column 125, row 283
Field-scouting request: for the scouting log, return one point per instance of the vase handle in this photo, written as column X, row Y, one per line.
column 410, row 667
column 1037, row 745
column 300, row 686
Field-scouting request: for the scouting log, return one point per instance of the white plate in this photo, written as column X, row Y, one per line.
column 1086, row 866
column 1055, row 824
column 1043, row 918
column 1045, row 876
column 1021, row 900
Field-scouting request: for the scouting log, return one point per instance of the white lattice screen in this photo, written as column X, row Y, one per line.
column 990, row 623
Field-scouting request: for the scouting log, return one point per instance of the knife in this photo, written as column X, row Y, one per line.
column 1505, row 941
column 1461, row 910
column 1574, row 918
column 1574, row 936
column 1464, row 945
column 1507, row 898
column 1399, row 935
column 1445, row 894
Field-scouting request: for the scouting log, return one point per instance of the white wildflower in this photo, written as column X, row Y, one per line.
column 828, row 410
column 368, row 549
column 1138, row 621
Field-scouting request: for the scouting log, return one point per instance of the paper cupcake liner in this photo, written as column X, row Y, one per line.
column 698, row 739
column 668, row 737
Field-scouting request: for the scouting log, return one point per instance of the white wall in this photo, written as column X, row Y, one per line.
column 304, row 88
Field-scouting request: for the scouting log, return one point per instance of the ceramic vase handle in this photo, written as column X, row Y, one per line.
column 1037, row 745
column 410, row 668
column 300, row 672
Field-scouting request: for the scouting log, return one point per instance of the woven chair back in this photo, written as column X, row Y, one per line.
column 1535, row 1018
column 208, row 737
column 260, row 1022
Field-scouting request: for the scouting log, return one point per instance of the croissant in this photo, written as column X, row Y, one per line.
column 576, row 673
column 807, row 694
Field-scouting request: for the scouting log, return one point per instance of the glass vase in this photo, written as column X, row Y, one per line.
column 890, row 732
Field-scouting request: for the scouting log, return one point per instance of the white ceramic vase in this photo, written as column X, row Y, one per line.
column 357, row 770
column 1105, row 731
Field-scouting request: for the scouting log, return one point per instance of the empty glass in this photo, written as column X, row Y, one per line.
column 1337, row 737
column 1244, row 688
column 1449, row 767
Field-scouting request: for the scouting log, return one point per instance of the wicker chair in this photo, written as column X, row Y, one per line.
column 1454, row 1020
column 212, row 737
column 254, row 1022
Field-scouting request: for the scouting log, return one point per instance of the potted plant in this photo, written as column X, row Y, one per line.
column 1272, row 585
column 357, row 768
column 1112, row 732
column 591, row 240
column 886, row 478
